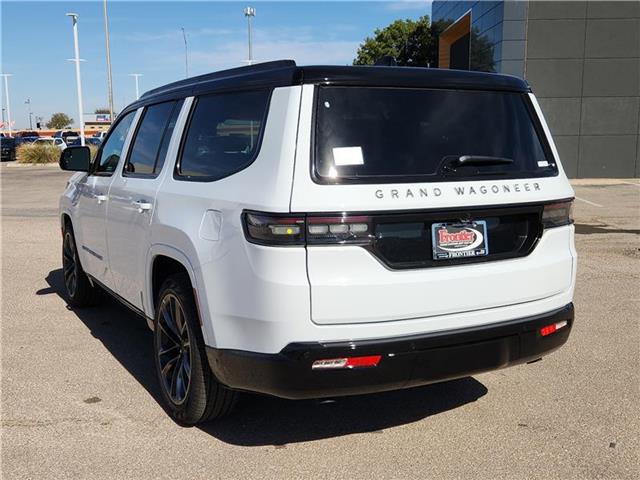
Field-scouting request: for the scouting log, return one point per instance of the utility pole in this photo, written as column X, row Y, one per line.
column 74, row 18
column 186, row 55
column 109, row 79
column 250, row 12
column 28, row 102
column 136, row 76
column 6, row 96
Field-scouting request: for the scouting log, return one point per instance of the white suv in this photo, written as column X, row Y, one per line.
column 321, row 231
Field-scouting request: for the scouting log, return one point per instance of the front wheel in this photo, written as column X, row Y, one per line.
column 191, row 392
column 79, row 290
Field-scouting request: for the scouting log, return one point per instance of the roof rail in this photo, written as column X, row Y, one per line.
column 232, row 72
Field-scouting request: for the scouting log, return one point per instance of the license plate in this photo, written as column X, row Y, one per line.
column 459, row 240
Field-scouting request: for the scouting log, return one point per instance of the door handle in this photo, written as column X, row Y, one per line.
column 143, row 206
column 100, row 198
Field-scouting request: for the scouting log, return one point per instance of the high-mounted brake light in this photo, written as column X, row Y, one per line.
column 557, row 214
column 553, row 328
column 346, row 362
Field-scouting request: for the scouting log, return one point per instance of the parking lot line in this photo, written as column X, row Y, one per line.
column 589, row 202
column 631, row 183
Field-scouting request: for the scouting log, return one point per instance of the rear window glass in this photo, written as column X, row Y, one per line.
column 398, row 134
column 224, row 134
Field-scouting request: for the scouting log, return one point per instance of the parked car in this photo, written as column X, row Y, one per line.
column 27, row 134
column 312, row 232
column 25, row 140
column 101, row 134
column 58, row 142
column 7, row 149
column 64, row 134
column 71, row 142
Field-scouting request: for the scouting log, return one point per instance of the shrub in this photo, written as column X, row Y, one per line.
column 43, row 153
column 94, row 150
column 38, row 153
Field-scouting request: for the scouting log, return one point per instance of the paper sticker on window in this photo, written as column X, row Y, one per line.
column 344, row 156
column 543, row 163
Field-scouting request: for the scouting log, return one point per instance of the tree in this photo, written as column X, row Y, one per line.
column 59, row 120
column 102, row 110
column 410, row 42
column 415, row 44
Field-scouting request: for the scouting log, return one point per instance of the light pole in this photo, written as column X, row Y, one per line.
column 74, row 19
column 186, row 54
column 109, row 80
column 136, row 76
column 250, row 12
column 6, row 96
column 28, row 102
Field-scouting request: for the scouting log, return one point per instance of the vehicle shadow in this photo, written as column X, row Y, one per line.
column 262, row 420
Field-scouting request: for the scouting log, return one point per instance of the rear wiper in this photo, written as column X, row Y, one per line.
column 451, row 163
column 480, row 160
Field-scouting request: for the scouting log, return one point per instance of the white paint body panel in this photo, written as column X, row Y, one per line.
column 349, row 285
column 260, row 299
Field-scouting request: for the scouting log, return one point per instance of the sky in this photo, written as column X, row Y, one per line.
column 146, row 38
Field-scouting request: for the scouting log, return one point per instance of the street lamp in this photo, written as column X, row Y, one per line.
column 28, row 102
column 74, row 19
column 109, row 80
column 250, row 12
column 6, row 96
column 186, row 55
column 136, row 76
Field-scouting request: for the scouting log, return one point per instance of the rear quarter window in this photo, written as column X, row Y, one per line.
column 223, row 135
column 384, row 135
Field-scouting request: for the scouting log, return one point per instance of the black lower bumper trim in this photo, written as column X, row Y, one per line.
column 406, row 361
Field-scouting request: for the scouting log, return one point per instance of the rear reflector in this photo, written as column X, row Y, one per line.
column 553, row 328
column 346, row 362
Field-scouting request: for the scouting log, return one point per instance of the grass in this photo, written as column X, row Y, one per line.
column 39, row 153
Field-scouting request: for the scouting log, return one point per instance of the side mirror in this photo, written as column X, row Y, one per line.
column 75, row 159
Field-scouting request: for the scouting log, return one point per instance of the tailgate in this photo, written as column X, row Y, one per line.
column 397, row 277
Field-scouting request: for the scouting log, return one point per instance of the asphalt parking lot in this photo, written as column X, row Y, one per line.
column 79, row 394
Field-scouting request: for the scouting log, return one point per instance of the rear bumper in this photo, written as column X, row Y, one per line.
column 406, row 361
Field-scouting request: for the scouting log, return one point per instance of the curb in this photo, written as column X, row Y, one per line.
column 29, row 165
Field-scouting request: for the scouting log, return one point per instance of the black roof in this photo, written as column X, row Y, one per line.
column 286, row 73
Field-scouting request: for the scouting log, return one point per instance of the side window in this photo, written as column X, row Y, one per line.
column 224, row 135
column 152, row 134
column 166, row 138
column 109, row 154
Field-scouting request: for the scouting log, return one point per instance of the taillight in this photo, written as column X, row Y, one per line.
column 284, row 229
column 274, row 229
column 339, row 229
column 557, row 214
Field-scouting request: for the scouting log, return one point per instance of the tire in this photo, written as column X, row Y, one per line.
column 80, row 292
column 190, row 391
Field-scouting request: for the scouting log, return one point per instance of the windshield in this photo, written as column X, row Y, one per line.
column 402, row 135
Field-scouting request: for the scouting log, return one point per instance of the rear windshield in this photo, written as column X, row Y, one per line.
column 377, row 135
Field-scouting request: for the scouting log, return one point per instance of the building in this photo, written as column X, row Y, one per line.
column 582, row 60
column 97, row 121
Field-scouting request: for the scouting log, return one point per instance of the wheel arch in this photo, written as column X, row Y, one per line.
column 162, row 261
